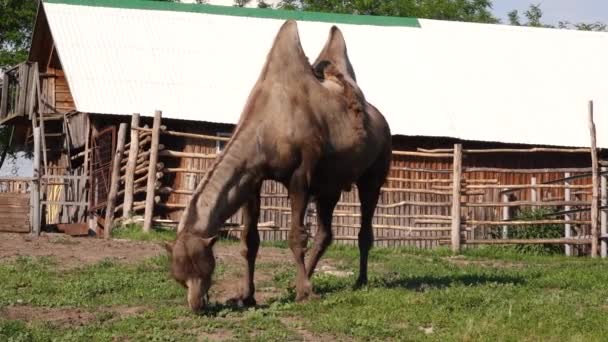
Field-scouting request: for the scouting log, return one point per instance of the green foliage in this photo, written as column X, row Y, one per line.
column 460, row 10
column 534, row 16
column 539, row 231
column 133, row 231
column 16, row 22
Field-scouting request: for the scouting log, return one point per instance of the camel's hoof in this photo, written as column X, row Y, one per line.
column 242, row 302
column 306, row 296
column 361, row 283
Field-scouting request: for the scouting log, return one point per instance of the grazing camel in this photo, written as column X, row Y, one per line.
column 308, row 127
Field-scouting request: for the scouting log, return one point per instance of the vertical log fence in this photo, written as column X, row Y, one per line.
column 421, row 204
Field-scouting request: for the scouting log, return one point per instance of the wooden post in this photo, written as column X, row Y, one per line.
column 505, row 216
column 114, row 180
column 604, row 214
column 533, row 191
column 131, row 165
column 567, row 217
column 152, row 172
column 36, row 185
column 595, row 195
column 456, row 179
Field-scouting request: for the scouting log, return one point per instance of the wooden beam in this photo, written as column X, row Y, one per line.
column 528, row 241
column 131, row 165
column 149, row 212
column 504, row 170
column 567, row 217
column 511, row 150
column 177, row 154
column 603, row 214
column 36, row 185
column 457, row 166
column 422, row 154
column 195, row 136
column 594, row 178
column 114, row 180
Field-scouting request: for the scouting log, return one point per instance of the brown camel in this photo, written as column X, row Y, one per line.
column 309, row 128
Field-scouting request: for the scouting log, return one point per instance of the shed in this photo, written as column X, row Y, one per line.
column 519, row 91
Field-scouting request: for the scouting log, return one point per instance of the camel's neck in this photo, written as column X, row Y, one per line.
column 226, row 186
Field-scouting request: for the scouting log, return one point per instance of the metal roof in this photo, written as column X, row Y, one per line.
column 429, row 78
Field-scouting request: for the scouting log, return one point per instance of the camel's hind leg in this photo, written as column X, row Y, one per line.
column 368, row 196
column 250, row 240
column 324, row 236
column 369, row 192
column 298, row 237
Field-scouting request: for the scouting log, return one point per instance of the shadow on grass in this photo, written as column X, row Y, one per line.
column 416, row 283
column 215, row 309
column 424, row 283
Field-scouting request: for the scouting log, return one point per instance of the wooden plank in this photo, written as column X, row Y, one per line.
column 36, row 184
column 457, row 166
column 177, row 154
column 526, row 171
column 149, row 211
column 131, row 166
column 4, row 99
column 22, row 89
column 74, row 229
column 604, row 214
column 528, row 241
column 567, row 217
column 422, row 154
column 525, row 203
column 18, row 217
column 115, row 180
column 15, row 228
column 594, row 181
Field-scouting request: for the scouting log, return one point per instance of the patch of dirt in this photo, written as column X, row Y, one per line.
column 56, row 316
column 297, row 326
column 72, row 252
column 65, row 317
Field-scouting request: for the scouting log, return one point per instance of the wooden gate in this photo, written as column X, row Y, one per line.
column 103, row 145
column 15, row 205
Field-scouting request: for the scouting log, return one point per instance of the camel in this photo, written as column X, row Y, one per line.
column 307, row 127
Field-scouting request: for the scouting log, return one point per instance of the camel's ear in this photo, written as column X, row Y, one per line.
column 209, row 242
column 335, row 52
column 286, row 57
column 169, row 247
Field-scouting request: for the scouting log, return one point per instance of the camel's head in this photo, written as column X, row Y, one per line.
column 192, row 264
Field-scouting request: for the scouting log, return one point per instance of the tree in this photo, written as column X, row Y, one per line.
column 16, row 23
column 459, row 10
column 534, row 15
column 241, row 3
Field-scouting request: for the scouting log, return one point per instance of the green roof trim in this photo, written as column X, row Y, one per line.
column 246, row 12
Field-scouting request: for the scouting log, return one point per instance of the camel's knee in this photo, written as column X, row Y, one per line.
column 324, row 238
column 250, row 245
column 298, row 239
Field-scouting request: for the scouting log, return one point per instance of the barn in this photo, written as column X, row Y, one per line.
column 505, row 109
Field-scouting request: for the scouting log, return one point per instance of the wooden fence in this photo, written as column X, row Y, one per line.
column 420, row 204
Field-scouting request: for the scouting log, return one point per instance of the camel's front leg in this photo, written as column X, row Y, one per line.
column 250, row 240
column 298, row 237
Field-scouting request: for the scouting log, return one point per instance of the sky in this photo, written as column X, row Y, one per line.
column 554, row 11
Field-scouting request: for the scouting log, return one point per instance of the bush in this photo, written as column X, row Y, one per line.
column 540, row 231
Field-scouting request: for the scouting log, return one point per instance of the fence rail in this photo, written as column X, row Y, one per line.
column 457, row 204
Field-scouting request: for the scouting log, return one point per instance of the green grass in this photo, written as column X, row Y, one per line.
column 135, row 232
column 488, row 294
